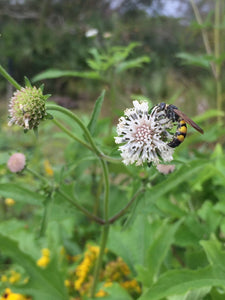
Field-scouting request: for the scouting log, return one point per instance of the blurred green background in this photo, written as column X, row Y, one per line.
column 41, row 35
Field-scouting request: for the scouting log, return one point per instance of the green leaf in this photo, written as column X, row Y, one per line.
column 176, row 178
column 115, row 291
column 120, row 241
column 132, row 63
column 197, row 294
column 214, row 253
column 196, row 60
column 179, row 282
column 212, row 113
column 27, row 82
column 97, row 109
column 158, row 251
column 45, row 284
column 54, row 73
column 20, row 194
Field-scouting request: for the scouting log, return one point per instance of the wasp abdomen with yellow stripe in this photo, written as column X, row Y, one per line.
column 179, row 135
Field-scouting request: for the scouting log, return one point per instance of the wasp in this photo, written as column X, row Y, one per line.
column 172, row 113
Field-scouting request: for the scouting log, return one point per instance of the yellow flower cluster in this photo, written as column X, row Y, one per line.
column 85, row 266
column 100, row 293
column 12, row 278
column 131, row 286
column 9, row 201
column 48, row 168
column 116, row 270
column 9, row 295
column 119, row 271
column 45, row 259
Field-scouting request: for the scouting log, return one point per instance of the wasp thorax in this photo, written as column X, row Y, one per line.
column 27, row 107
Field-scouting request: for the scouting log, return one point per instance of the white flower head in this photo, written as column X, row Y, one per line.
column 144, row 135
column 91, row 32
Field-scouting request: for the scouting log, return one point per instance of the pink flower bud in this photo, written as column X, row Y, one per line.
column 165, row 169
column 16, row 162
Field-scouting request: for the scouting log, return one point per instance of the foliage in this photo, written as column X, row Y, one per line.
column 173, row 230
column 77, row 223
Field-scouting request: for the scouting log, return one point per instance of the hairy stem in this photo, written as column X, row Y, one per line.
column 105, row 229
column 73, row 136
column 92, row 145
column 125, row 209
column 75, row 203
column 67, row 112
column 9, row 78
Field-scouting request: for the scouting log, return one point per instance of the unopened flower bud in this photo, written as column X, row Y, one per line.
column 16, row 162
column 27, row 107
column 165, row 169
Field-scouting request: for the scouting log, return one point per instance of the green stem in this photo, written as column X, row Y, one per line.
column 79, row 122
column 9, row 78
column 125, row 209
column 91, row 147
column 35, row 174
column 104, row 238
column 68, row 132
column 81, row 208
column 105, row 230
column 106, row 195
column 110, row 159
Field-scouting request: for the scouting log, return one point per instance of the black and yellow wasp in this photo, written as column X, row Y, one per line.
column 172, row 113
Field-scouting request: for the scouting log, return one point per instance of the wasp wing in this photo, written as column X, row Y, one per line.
column 188, row 120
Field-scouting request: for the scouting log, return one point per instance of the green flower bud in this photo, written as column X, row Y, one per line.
column 27, row 107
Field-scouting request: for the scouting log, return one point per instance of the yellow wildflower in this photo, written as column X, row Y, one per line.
column 108, row 284
column 9, row 295
column 48, row 168
column 131, row 286
column 67, row 283
column 43, row 261
column 10, row 201
column 100, row 293
column 45, row 252
column 15, row 277
column 85, row 266
column 116, row 270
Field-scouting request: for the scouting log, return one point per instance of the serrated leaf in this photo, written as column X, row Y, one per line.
column 159, row 248
column 95, row 114
column 196, row 60
column 178, row 282
column 198, row 294
column 20, row 194
column 215, row 255
column 142, row 231
column 45, row 284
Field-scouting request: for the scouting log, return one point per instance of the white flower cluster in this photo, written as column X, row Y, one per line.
column 144, row 135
